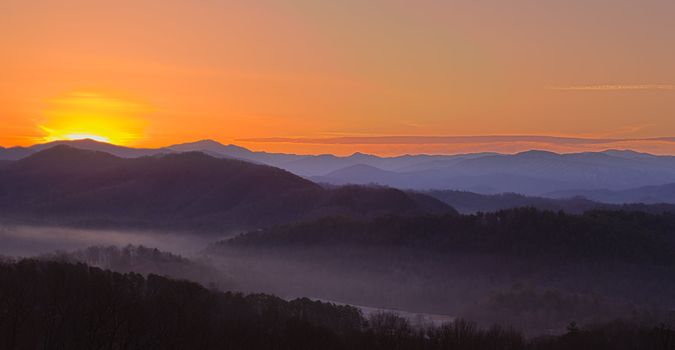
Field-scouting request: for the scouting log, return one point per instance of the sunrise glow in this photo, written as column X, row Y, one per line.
column 95, row 116
column 249, row 73
column 55, row 136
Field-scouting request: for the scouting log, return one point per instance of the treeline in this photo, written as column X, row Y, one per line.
column 56, row 305
column 470, row 202
column 593, row 267
column 144, row 260
column 546, row 311
column 617, row 236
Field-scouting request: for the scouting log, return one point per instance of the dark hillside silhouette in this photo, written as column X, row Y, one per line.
column 56, row 305
column 63, row 185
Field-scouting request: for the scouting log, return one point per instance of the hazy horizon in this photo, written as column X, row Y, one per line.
column 599, row 145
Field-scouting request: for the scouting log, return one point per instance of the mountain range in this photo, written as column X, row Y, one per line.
column 539, row 173
column 192, row 190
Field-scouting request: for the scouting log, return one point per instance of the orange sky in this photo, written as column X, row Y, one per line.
column 152, row 73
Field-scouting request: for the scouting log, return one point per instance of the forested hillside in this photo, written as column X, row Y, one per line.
column 536, row 270
column 56, row 305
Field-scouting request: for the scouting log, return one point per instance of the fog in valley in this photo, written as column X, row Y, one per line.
column 28, row 241
column 188, row 256
column 421, row 284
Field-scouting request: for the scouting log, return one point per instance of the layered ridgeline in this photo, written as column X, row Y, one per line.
column 64, row 185
column 532, row 173
column 645, row 194
column 470, row 202
column 532, row 269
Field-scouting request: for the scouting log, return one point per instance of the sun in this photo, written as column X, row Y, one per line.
column 56, row 136
column 87, row 115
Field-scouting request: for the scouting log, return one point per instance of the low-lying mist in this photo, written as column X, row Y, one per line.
column 535, row 271
column 184, row 256
column 28, row 241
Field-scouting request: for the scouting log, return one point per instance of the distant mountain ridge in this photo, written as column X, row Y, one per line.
column 645, row 194
column 531, row 173
column 471, row 203
column 65, row 185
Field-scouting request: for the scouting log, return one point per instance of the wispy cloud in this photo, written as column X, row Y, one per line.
column 427, row 140
column 614, row 87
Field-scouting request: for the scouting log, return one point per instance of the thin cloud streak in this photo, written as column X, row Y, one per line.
column 426, row 140
column 615, row 87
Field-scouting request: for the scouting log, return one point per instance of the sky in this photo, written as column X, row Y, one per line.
column 307, row 76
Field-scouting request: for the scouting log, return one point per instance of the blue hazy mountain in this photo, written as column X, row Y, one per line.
column 532, row 173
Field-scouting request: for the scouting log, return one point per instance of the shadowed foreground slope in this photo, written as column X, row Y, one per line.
column 63, row 306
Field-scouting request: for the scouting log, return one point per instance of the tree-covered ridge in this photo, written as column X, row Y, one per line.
column 144, row 260
column 55, row 305
column 616, row 236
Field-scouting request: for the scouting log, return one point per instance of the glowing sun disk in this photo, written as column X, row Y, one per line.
column 80, row 116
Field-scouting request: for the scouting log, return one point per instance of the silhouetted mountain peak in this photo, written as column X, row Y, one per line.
column 208, row 142
column 65, row 152
column 214, row 147
column 83, row 142
column 360, row 155
column 64, row 159
column 211, row 144
column 626, row 153
column 537, row 154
